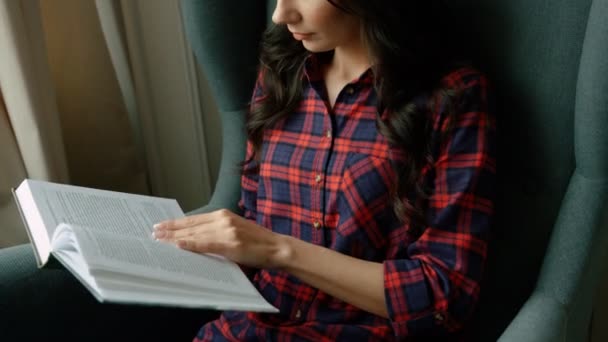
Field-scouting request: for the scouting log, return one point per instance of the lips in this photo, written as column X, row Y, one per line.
column 301, row 36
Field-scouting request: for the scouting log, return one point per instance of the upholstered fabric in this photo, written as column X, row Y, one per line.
column 546, row 60
column 224, row 37
column 577, row 247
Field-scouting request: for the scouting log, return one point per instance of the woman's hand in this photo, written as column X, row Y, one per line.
column 230, row 235
column 358, row 282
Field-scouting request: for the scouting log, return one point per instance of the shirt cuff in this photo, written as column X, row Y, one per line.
column 410, row 304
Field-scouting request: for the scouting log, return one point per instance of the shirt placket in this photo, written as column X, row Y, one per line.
column 317, row 181
column 317, row 185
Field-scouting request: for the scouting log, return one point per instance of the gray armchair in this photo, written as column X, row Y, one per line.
column 548, row 63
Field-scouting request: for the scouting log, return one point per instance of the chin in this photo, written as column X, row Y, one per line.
column 316, row 47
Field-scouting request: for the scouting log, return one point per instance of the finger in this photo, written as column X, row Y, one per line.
column 189, row 221
column 182, row 223
column 201, row 246
column 168, row 234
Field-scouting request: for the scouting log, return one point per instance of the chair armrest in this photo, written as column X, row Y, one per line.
column 204, row 209
column 541, row 319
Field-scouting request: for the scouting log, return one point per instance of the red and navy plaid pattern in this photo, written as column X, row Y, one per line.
column 324, row 177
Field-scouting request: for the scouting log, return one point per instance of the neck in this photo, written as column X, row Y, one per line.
column 349, row 61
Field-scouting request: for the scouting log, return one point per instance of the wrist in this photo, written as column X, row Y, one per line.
column 284, row 251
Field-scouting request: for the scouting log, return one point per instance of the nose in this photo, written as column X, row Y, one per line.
column 285, row 13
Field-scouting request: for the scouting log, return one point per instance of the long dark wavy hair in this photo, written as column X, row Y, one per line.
column 412, row 46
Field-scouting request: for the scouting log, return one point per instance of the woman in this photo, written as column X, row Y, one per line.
column 369, row 179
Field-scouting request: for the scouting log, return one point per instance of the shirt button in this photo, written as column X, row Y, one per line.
column 317, row 224
column 439, row 317
column 298, row 314
column 350, row 90
column 328, row 133
column 318, row 178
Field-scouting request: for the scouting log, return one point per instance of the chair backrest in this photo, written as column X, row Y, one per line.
column 224, row 36
column 547, row 60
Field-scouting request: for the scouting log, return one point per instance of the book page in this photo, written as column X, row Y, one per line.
column 142, row 271
column 115, row 212
column 144, row 259
column 69, row 255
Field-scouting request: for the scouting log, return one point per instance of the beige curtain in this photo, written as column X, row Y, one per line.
column 63, row 112
column 12, row 172
column 160, row 85
column 31, row 136
column 99, row 137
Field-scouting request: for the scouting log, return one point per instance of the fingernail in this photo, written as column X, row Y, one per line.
column 159, row 234
column 156, row 226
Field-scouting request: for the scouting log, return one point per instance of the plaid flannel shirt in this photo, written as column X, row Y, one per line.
column 324, row 177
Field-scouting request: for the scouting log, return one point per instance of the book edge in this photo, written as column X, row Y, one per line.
column 114, row 296
column 40, row 263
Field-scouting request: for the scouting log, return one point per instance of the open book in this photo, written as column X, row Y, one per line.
column 105, row 239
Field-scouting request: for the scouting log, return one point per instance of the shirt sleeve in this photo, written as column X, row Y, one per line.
column 249, row 187
column 434, row 288
column 249, row 180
